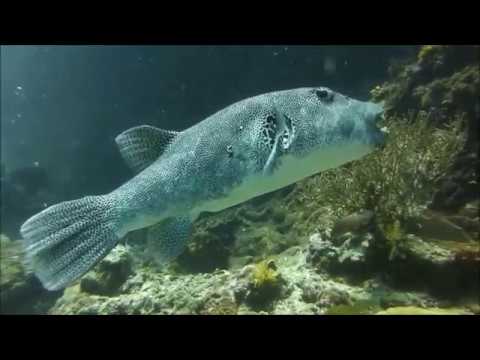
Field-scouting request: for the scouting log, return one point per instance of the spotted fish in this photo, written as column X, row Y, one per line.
column 247, row 149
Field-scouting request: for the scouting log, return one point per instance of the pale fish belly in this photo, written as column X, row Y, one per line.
column 291, row 170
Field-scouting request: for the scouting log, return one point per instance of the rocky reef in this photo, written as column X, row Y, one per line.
column 289, row 283
column 444, row 82
column 391, row 234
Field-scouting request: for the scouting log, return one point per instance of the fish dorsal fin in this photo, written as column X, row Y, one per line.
column 142, row 145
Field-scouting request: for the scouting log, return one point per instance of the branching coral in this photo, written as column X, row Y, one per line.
column 397, row 179
column 394, row 183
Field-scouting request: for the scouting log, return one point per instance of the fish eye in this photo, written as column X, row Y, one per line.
column 323, row 95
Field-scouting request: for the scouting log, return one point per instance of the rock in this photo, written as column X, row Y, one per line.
column 110, row 274
column 352, row 258
column 262, row 241
column 468, row 224
column 433, row 225
column 446, row 268
column 311, row 293
column 354, row 223
column 256, row 215
column 237, row 262
column 211, row 242
column 20, row 292
column 334, row 296
column 321, row 253
column 413, row 310
column 364, row 307
column 474, row 307
column 471, row 209
column 395, row 299
column 460, row 186
column 205, row 253
column 221, row 304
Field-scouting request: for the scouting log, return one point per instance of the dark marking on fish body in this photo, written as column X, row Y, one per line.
column 230, row 151
column 324, row 95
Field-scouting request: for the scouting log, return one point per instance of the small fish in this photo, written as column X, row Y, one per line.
column 250, row 148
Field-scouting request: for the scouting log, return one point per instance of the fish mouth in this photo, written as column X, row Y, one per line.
column 379, row 133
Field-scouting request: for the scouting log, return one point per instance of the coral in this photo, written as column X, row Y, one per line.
column 394, row 182
column 431, row 79
column 260, row 285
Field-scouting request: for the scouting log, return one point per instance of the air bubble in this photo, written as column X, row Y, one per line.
column 18, row 91
column 330, row 65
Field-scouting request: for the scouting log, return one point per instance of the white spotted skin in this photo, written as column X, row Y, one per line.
column 239, row 153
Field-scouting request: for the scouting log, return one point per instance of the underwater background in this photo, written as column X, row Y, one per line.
column 393, row 233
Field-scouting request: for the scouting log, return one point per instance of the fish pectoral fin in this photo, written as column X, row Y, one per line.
column 167, row 239
column 140, row 146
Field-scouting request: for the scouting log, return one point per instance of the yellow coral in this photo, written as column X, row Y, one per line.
column 264, row 274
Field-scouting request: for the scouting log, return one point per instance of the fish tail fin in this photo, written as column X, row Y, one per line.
column 66, row 240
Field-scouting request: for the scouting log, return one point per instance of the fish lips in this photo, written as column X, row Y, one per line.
column 378, row 134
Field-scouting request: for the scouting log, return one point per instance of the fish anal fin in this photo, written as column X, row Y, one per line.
column 167, row 239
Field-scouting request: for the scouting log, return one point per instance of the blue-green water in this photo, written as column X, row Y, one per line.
column 63, row 106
